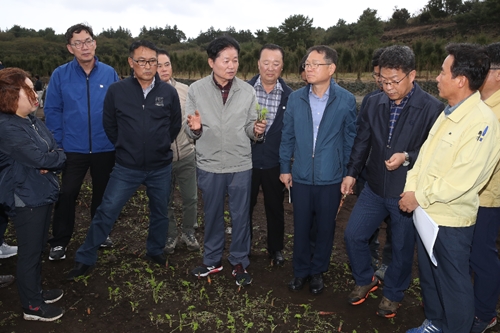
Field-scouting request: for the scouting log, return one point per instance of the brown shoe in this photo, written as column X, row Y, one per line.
column 388, row 308
column 360, row 293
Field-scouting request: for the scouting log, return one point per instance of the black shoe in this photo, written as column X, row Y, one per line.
column 79, row 270
column 277, row 258
column 44, row 312
column 160, row 259
column 52, row 295
column 297, row 283
column 316, row 285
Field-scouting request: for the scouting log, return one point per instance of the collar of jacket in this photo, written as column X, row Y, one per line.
column 464, row 108
column 331, row 91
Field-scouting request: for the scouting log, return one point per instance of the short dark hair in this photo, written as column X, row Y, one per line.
column 220, row 43
column 12, row 80
column 141, row 42
column 302, row 62
column 76, row 29
column 397, row 57
column 272, row 47
column 37, row 77
column 376, row 56
column 493, row 51
column 329, row 54
column 471, row 61
column 164, row 52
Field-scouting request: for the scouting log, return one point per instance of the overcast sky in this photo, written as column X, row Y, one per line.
column 190, row 16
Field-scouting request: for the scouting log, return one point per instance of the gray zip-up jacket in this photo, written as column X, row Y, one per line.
column 223, row 146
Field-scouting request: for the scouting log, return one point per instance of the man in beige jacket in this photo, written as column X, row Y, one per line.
column 183, row 170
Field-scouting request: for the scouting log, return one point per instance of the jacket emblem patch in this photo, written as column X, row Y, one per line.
column 159, row 101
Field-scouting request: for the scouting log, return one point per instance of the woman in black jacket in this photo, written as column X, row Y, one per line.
column 29, row 186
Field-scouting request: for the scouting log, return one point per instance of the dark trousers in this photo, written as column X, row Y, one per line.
column 74, row 172
column 365, row 218
column 485, row 264
column 32, row 228
column 447, row 288
column 3, row 224
column 214, row 187
column 122, row 185
column 320, row 202
column 272, row 188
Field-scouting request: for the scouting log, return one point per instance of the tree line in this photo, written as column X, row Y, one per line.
column 40, row 52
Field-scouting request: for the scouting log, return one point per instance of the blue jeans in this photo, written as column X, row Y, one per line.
column 367, row 215
column 122, row 185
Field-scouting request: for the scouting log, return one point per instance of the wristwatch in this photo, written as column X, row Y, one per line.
column 407, row 159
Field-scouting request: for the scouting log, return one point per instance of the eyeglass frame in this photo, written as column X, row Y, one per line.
column 392, row 83
column 314, row 66
column 79, row 44
column 146, row 62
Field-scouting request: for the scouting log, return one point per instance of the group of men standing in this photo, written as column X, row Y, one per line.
column 312, row 142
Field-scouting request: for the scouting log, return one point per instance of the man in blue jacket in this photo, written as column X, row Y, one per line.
column 319, row 127
column 272, row 94
column 73, row 113
column 142, row 116
column 391, row 129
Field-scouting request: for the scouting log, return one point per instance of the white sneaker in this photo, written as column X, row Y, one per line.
column 7, row 251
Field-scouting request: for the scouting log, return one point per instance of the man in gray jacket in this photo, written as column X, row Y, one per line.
column 223, row 119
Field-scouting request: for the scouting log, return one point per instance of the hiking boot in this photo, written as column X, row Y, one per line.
column 44, row 312
column 380, row 273
column 241, row 275
column 7, row 251
column 277, row 258
column 205, row 270
column 191, row 242
column 426, row 327
column 388, row 308
column 107, row 243
column 6, row 280
column 170, row 245
column 57, row 253
column 52, row 295
column 479, row 326
column 360, row 293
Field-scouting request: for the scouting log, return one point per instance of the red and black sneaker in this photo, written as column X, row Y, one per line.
column 241, row 275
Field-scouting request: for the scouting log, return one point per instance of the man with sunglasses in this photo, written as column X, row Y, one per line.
column 142, row 117
column 73, row 113
column 391, row 129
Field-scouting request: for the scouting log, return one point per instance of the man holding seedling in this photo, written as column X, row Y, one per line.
column 272, row 96
column 319, row 127
column 222, row 118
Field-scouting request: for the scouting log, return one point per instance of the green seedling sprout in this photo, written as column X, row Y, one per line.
column 261, row 111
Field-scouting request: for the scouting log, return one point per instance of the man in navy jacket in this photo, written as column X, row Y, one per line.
column 142, row 116
column 272, row 94
column 319, row 127
column 391, row 129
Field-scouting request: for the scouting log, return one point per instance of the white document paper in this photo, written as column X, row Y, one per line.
column 427, row 229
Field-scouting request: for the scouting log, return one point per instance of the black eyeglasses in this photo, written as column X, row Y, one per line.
column 392, row 83
column 313, row 66
column 142, row 62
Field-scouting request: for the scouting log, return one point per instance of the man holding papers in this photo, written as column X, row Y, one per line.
column 454, row 164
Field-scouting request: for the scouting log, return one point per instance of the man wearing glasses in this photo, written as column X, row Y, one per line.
column 319, row 127
column 391, row 129
column 73, row 113
column 142, row 117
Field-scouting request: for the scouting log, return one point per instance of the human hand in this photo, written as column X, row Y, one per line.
column 194, row 121
column 347, row 185
column 395, row 161
column 286, row 178
column 408, row 202
column 259, row 127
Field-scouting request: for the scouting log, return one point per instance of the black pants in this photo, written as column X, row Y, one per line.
column 74, row 172
column 272, row 188
column 32, row 229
